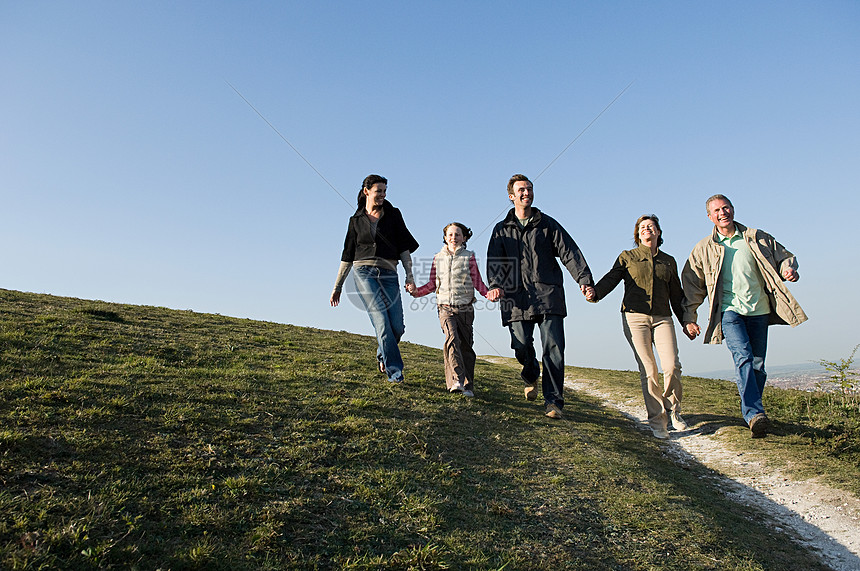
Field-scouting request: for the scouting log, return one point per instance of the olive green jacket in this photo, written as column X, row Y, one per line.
column 701, row 278
column 651, row 283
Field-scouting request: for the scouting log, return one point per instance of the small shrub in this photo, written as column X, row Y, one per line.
column 843, row 379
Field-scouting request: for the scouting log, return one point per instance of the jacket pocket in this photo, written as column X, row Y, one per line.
column 711, row 279
column 663, row 271
column 767, row 253
column 548, row 272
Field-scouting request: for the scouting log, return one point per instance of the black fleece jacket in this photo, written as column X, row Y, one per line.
column 392, row 237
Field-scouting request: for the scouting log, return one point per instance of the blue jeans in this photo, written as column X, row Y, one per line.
column 379, row 291
column 552, row 341
column 746, row 338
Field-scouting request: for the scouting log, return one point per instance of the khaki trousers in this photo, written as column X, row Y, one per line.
column 457, row 352
column 644, row 333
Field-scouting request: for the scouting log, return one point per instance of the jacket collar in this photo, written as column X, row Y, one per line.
column 386, row 207
column 739, row 228
column 460, row 251
column 643, row 253
column 511, row 218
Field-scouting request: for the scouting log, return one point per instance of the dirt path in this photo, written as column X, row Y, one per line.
column 827, row 520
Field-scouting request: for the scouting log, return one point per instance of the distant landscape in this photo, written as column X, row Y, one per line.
column 800, row 376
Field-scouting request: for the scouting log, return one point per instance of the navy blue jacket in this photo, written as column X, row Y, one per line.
column 522, row 261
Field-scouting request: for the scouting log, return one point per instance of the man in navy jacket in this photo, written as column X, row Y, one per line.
column 522, row 261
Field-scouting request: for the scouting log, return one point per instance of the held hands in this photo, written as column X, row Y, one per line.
column 495, row 294
column 410, row 288
column 790, row 274
column 588, row 292
column 691, row 330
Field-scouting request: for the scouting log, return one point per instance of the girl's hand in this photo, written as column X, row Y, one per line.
column 495, row 294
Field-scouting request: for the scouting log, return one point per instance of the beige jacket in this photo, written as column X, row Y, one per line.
column 701, row 278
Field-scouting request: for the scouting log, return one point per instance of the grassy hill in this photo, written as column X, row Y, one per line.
column 147, row 438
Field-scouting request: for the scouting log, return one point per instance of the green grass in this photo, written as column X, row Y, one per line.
column 147, row 438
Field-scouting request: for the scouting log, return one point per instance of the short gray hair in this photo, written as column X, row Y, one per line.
column 716, row 197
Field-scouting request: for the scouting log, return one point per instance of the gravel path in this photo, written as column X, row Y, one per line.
column 827, row 520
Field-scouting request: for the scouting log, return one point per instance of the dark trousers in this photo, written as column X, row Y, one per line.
column 552, row 341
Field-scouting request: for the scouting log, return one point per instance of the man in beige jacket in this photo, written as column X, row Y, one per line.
column 741, row 271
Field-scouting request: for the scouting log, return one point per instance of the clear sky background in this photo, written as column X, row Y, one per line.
column 131, row 171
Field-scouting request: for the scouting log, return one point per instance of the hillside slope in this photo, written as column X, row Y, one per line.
column 146, row 438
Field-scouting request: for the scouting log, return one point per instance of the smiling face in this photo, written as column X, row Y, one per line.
column 722, row 214
column 522, row 194
column 454, row 237
column 375, row 195
column 648, row 232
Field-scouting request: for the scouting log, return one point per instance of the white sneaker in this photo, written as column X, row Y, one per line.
column 468, row 394
column 456, row 388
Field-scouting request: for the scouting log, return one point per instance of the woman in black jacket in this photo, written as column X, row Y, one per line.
column 375, row 240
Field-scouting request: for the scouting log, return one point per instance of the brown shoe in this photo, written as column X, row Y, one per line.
column 660, row 432
column 552, row 411
column 678, row 423
column 531, row 391
column 759, row 425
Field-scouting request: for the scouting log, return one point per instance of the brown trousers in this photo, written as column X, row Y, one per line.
column 645, row 333
column 457, row 352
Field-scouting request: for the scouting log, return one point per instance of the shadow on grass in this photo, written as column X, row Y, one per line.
column 592, row 479
column 711, row 423
column 782, row 428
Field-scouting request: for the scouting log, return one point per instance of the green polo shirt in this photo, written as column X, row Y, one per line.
column 743, row 289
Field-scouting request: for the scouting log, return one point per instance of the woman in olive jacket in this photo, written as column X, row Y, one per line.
column 652, row 290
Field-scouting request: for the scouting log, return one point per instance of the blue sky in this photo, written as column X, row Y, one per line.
column 131, row 171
